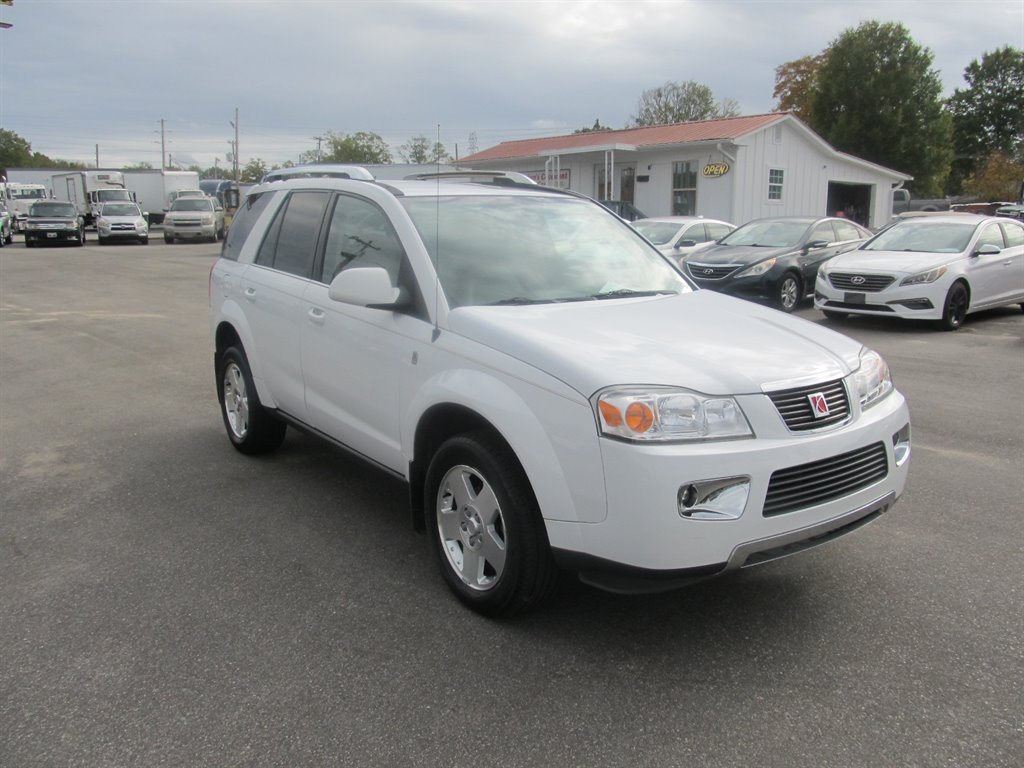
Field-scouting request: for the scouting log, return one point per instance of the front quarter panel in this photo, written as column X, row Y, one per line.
column 554, row 436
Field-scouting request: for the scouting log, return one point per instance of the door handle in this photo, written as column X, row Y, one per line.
column 250, row 294
column 316, row 316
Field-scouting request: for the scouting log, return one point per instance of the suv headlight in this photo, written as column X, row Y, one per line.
column 207, row 219
column 872, row 381
column 667, row 414
column 924, row 277
column 758, row 269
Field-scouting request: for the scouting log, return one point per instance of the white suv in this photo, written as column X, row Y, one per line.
column 552, row 389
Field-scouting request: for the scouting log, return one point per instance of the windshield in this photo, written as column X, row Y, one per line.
column 121, row 209
column 192, row 204
column 768, row 234
column 658, row 232
column 105, row 195
column 65, row 210
column 28, row 194
column 494, row 249
column 924, row 237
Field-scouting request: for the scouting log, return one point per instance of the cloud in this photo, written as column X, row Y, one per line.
column 77, row 75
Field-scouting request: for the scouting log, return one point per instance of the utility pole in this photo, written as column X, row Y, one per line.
column 318, row 139
column 97, row 155
column 234, row 145
column 163, row 144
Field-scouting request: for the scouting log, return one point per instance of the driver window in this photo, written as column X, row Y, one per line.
column 360, row 236
column 991, row 235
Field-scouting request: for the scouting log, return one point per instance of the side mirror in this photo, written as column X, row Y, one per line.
column 987, row 250
column 815, row 244
column 365, row 287
column 686, row 244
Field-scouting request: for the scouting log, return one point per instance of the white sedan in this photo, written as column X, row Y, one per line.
column 679, row 236
column 940, row 267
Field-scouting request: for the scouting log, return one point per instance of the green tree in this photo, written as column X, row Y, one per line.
column 988, row 115
column 253, row 171
column 795, row 85
column 359, row 147
column 878, row 98
column 143, row 166
column 597, row 128
column 681, row 103
column 15, row 152
column 997, row 179
column 418, row 149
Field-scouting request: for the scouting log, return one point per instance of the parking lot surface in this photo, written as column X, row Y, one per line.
column 165, row 601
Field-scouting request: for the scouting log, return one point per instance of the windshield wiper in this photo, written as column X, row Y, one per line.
column 621, row 293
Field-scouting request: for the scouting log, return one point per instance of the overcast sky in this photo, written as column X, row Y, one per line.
column 79, row 73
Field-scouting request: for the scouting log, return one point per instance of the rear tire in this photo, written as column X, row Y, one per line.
column 954, row 310
column 485, row 528
column 251, row 428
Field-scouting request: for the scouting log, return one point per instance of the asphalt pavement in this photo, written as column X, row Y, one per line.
column 165, row 601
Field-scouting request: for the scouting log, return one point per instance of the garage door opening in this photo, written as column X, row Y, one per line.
column 852, row 201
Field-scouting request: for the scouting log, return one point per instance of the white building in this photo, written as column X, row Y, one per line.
column 736, row 169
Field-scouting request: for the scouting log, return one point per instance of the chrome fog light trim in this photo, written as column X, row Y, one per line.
column 901, row 446
column 719, row 499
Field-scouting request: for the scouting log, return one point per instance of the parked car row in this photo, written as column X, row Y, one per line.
column 52, row 222
column 938, row 266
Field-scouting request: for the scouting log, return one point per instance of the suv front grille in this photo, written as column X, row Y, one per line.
column 700, row 271
column 794, row 405
column 848, row 281
column 820, row 481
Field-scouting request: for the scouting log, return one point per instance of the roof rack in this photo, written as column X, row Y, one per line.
column 492, row 177
column 318, row 171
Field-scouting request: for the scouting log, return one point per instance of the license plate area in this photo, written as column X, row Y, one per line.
column 854, row 298
column 51, row 234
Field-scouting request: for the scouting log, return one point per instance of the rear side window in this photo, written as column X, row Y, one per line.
column 290, row 245
column 847, row 231
column 242, row 224
column 717, row 231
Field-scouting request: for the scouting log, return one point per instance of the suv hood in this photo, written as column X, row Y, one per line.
column 740, row 254
column 702, row 340
column 890, row 262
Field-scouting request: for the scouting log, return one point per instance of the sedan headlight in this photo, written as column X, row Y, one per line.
column 872, row 380
column 924, row 277
column 758, row 269
column 666, row 414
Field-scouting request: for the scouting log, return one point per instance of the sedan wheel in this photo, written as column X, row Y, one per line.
column 789, row 293
column 955, row 309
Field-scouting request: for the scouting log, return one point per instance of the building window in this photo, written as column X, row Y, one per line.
column 684, row 189
column 775, row 183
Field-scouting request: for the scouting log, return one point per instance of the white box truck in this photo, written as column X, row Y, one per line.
column 19, row 198
column 88, row 190
column 153, row 188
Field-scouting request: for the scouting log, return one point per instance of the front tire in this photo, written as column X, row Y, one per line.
column 954, row 310
column 485, row 527
column 168, row 239
column 251, row 428
column 788, row 293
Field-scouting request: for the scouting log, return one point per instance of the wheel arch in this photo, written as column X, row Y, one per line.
column 475, row 400
column 232, row 330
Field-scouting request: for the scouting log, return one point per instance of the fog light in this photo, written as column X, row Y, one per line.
column 721, row 499
column 901, row 446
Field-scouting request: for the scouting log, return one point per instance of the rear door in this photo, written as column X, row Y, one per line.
column 272, row 291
